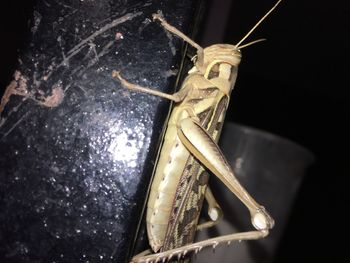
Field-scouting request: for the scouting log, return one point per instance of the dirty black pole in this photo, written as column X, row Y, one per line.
column 79, row 148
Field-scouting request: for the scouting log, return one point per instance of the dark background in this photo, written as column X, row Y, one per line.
column 294, row 85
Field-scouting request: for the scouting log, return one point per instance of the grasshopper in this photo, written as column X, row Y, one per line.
column 190, row 149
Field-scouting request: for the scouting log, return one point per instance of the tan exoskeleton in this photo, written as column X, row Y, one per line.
column 189, row 149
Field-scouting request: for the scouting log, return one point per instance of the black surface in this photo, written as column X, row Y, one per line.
column 75, row 146
column 295, row 85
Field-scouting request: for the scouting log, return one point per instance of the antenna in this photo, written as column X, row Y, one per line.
column 257, row 24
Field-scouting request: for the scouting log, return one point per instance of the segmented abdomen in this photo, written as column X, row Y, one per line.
column 171, row 163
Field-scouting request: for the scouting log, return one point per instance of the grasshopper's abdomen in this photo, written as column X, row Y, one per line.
column 171, row 163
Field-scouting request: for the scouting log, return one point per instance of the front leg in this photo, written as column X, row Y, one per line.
column 176, row 97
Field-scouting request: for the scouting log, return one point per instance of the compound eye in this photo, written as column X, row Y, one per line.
column 237, row 52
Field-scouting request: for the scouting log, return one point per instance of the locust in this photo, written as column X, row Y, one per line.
column 190, row 150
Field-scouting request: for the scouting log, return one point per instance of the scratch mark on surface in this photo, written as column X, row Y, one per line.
column 171, row 45
column 145, row 23
column 76, row 49
column 78, row 69
column 169, row 36
column 14, row 126
column 81, row 88
column 170, row 73
column 37, row 20
column 47, row 4
column 104, row 51
column 103, row 29
column 93, row 47
column 106, row 48
column 63, row 63
column 11, row 111
column 81, row 70
column 65, row 5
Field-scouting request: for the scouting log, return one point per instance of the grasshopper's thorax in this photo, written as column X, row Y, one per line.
column 216, row 54
column 216, row 64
